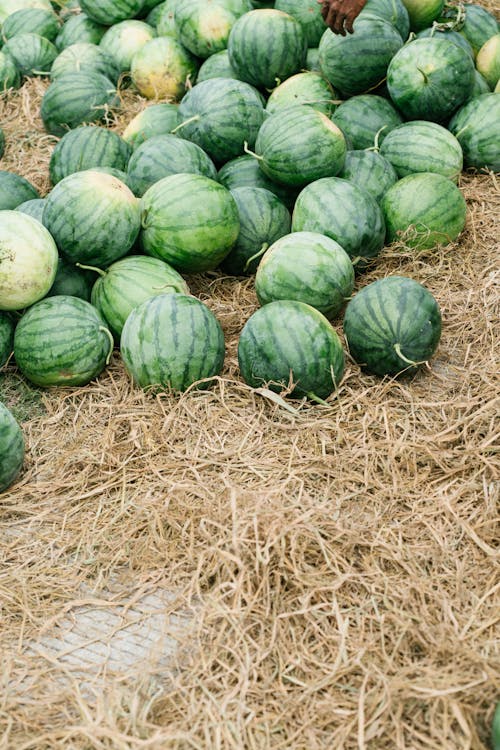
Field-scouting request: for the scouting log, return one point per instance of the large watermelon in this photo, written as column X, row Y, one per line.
column 79, row 28
column 84, row 57
column 423, row 12
column 393, row 11
column 75, row 98
column 163, row 68
column 109, row 12
column 303, row 88
column 35, row 20
column 479, row 25
column 86, row 147
column 476, row 126
column 172, row 341
column 203, row 27
column 32, row 53
column 370, row 171
column 366, row 118
column 11, row 448
column 422, row 146
column 308, row 14
column 392, row 325
column 123, row 40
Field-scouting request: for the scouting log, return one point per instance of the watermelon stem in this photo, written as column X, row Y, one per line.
column 257, row 255
column 312, row 396
column 91, row 268
column 194, row 118
column 252, row 153
column 426, row 78
column 111, row 342
column 397, row 349
column 376, row 146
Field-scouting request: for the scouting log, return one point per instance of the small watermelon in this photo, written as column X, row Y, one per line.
column 422, row 146
column 14, row 190
column 308, row 14
column 479, row 25
column 393, row 11
column 476, row 126
column 75, row 98
column 72, row 280
column 86, row 147
column 423, row 12
column 33, row 208
column 244, row 171
column 79, row 28
column 370, row 171
column 216, row 66
column 10, row 77
column 11, row 448
column 488, row 60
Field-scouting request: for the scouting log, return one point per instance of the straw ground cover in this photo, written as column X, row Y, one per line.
column 340, row 563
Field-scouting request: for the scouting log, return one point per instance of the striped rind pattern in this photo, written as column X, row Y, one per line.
column 84, row 57
column 392, row 311
column 479, row 25
column 129, row 282
column 476, row 126
column 266, row 46
column 124, row 39
column 35, row 20
column 189, row 221
column 157, row 119
column 229, row 113
column 165, row 155
column 422, row 146
column 424, row 210
column 60, row 341
column 344, row 212
column 93, row 217
column 33, row 207
column 308, row 14
column 14, row 190
column 216, row 66
column 204, row 27
column 11, row 448
column 109, row 12
column 303, row 88
column 362, row 117
column 288, row 342
column 79, row 28
column 370, row 171
column 6, row 337
column 172, row 341
column 163, row 68
column 72, row 280
column 308, row 267
column 244, row 171
column 75, row 98
column 393, row 11
column 10, row 76
column 86, row 147
column 32, row 53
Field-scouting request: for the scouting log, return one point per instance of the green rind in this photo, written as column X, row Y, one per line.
column 423, row 12
column 129, row 282
column 370, row 171
column 156, row 119
column 87, row 147
column 15, row 190
column 61, row 340
column 163, row 69
column 10, row 76
column 476, row 126
column 391, row 314
column 79, row 28
column 424, row 210
column 308, row 14
column 308, row 267
column 7, row 326
column 32, row 53
column 216, row 66
column 422, row 146
column 189, row 221
column 303, row 88
column 244, row 171
column 71, row 280
column 393, row 11
column 479, row 26
column 33, row 207
column 109, row 12
column 172, row 341
column 11, row 448
column 123, row 40
column 288, row 344
column 363, row 118
column 451, row 36
column 203, row 28
column 35, row 20
column 495, row 729
column 84, row 57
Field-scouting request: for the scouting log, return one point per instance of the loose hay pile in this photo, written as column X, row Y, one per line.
column 336, row 568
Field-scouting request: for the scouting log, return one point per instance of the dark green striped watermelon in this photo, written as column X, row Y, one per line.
column 172, row 341
column 86, row 147
column 370, row 171
column 35, row 20
column 428, row 79
column 392, row 325
column 221, row 115
column 10, row 77
column 129, row 282
column 303, row 88
column 189, row 221
column 476, row 126
column 79, row 28
column 423, row 12
column 32, row 53
column 299, row 145
column 14, row 190
column 62, row 340
column 374, row 41
column 479, row 87
column 75, row 98
column 123, row 40
column 263, row 220
column 11, row 448
column 365, row 118
column 156, row 119
column 72, row 280
column 84, row 57
column 33, row 207
column 346, row 213
column 450, row 35
column 165, row 155
column 7, row 326
column 216, row 66
column 393, row 11
column 163, row 68
column 266, row 46
column 308, row 14
column 312, row 60
column 203, row 28
column 108, row 12
column 290, row 346
column 424, row 210
column 422, row 146
column 244, row 171
column 93, row 217
column 308, row 267
column 479, row 25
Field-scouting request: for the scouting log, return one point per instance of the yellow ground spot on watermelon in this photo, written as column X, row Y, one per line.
column 214, row 27
column 488, row 60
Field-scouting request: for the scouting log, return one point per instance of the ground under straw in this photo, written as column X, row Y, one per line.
column 341, row 561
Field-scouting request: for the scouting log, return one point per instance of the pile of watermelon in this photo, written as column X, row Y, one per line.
column 271, row 147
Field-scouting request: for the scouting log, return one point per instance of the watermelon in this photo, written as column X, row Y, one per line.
column 11, row 448
column 370, row 171
column 424, row 210
column 220, row 115
column 165, row 22
column 14, row 190
column 393, row 11
column 75, row 98
column 123, row 40
column 476, row 126
column 163, row 68
column 312, row 60
column 203, row 28
column 155, row 13
column 308, row 267
column 479, row 87
column 266, row 46
column 429, row 79
column 10, row 6
column 299, row 145
column 479, row 26
column 488, row 60
column 450, row 35
column 365, row 118
column 118, row 173
column 72, row 280
column 263, row 220
column 290, row 346
column 303, row 88
column 109, row 12
column 189, row 221
column 84, row 57
column 172, row 341
column 10, row 77
column 346, row 213
column 28, row 260
column 130, row 281
column 7, row 327
column 422, row 146
column 93, row 217
column 36, row 20
column 33, row 207
column 495, row 729
column 392, row 325
column 423, row 12
column 216, row 66
column 308, row 14
column 32, row 53
column 374, row 41
column 62, row 340
column 77, row 29
column 156, row 119
column 86, row 147
column 244, row 171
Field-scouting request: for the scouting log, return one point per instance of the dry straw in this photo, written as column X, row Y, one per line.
column 340, row 563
